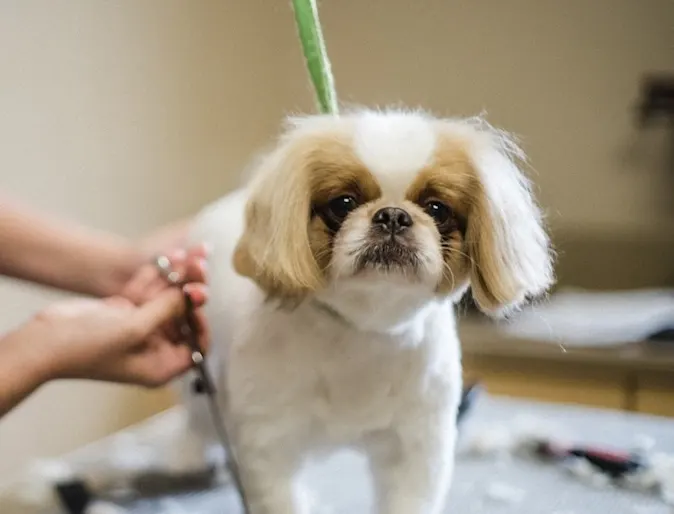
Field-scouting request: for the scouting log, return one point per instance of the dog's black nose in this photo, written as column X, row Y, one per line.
column 392, row 220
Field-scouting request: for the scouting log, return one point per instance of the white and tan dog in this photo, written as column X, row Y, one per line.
column 334, row 276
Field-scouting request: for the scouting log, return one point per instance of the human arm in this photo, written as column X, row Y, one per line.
column 69, row 257
column 111, row 340
column 22, row 369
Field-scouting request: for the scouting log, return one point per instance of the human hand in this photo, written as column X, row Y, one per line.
column 165, row 239
column 190, row 266
column 114, row 339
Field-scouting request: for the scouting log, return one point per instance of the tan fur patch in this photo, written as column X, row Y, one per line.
column 335, row 170
column 450, row 179
column 320, row 240
column 283, row 249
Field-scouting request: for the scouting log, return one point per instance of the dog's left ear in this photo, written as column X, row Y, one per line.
column 511, row 258
column 274, row 249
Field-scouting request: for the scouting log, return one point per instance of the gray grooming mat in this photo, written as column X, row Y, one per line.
column 341, row 485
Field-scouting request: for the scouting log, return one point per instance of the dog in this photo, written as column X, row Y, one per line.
column 334, row 276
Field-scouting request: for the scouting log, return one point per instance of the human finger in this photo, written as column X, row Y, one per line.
column 160, row 365
column 198, row 293
column 167, row 305
column 200, row 251
column 152, row 277
column 196, row 270
column 136, row 289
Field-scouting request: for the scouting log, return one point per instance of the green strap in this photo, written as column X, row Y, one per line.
column 318, row 64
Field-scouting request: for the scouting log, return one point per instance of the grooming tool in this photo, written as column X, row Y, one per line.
column 468, row 398
column 76, row 495
column 163, row 265
column 615, row 464
column 155, row 484
column 204, row 383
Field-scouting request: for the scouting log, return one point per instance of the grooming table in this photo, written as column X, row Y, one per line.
column 481, row 484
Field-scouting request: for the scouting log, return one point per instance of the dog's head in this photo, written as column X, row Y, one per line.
column 395, row 198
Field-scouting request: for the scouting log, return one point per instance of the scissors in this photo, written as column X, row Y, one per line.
column 190, row 331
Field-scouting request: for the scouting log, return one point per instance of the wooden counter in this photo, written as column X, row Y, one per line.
column 634, row 377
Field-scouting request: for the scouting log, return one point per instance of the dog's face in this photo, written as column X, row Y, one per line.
column 378, row 217
column 381, row 197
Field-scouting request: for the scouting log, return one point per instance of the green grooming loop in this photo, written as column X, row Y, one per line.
column 313, row 46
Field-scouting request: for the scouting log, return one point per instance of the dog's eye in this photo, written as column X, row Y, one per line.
column 341, row 206
column 440, row 212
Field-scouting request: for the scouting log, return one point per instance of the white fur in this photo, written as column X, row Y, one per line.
column 369, row 362
column 394, row 147
column 303, row 382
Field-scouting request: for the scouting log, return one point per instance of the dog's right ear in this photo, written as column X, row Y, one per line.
column 506, row 237
column 274, row 249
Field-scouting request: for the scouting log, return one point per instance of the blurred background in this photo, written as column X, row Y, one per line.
column 128, row 115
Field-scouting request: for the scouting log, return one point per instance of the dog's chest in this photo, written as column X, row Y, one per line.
column 366, row 381
column 327, row 376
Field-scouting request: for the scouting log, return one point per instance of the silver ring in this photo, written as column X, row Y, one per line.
column 163, row 265
column 197, row 358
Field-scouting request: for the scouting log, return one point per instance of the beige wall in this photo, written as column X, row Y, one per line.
column 562, row 75
column 122, row 115
column 128, row 114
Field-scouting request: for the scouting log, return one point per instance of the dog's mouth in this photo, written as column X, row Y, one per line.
column 390, row 254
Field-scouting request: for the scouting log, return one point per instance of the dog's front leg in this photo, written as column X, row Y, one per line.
column 269, row 476
column 412, row 467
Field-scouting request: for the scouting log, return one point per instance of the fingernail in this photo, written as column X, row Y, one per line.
column 203, row 266
column 196, row 292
